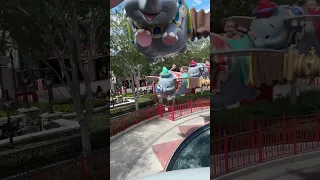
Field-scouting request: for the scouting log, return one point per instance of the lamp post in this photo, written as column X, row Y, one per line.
column 7, row 104
column 48, row 82
column 25, row 81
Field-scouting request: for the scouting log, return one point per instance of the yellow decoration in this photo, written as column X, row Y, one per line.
column 250, row 70
column 296, row 65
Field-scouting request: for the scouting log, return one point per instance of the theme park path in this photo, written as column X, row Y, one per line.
column 147, row 149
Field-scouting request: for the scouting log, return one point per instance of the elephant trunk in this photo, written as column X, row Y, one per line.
column 275, row 43
column 150, row 6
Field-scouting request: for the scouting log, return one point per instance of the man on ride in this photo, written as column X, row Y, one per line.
column 310, row 7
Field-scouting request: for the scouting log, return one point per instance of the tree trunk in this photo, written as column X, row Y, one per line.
column 133, row 87
column 137, row 95
column 125, row 88
column 293, row 92
column 76, row 65
column 85, row 138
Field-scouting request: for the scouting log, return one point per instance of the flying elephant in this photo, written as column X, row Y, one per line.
column 172, row 84
column 279, row 27
column 230, row 80
column 276, row 28
column 199, row 69
column 160, row 28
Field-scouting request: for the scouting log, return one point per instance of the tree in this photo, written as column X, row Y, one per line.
column 68, row 28
column 126, row 61
column 198, row 50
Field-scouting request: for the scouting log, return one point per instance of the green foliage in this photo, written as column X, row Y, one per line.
column 125, row 58
column 64, row 105
column 198, row 50
column 44, row 153
column 205, row 95
column 130, row 108
column 308, row 102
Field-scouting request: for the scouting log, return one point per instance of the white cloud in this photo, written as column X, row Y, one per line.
column 207, row 8
column 197, row 1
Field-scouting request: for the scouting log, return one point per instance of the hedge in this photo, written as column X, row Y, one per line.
column 59, row 105
column 308, row 102
column 18, row 161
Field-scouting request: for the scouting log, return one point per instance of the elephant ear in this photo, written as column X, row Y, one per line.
column 298, row 20
column 152, row 78
column 218, row 43
column 243, row 21
column 248, row 52
column 114, row 3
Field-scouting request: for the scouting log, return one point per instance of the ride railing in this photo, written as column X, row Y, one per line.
column 297, row 135
column 80, row 168
column 244, row 126
column 93, row 168
column 171, row 112
column 182, row 108
column 121, row 123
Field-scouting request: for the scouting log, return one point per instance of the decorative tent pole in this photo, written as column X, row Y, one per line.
column 154, row 92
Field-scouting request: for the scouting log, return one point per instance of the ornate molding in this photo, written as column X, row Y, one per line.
column 296, row 66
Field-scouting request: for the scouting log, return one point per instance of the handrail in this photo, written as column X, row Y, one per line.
column 292, row 135
column 171, row 112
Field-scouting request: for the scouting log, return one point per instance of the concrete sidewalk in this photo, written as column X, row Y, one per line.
column 299, row 167
column 146, row 149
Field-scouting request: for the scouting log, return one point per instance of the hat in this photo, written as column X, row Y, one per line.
column 192, row 63
column 264, row 9
column 165, row 72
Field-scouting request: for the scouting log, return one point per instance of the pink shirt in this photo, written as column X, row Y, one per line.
column 317, row 23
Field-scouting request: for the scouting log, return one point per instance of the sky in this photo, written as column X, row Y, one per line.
column 198, row 4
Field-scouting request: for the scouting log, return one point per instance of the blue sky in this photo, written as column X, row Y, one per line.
column 198, row 4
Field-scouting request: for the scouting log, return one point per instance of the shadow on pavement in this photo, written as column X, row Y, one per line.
column 306, row 175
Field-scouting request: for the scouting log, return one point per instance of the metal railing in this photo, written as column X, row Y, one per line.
column 170, row 112
column 236, row 147
column 96, row 167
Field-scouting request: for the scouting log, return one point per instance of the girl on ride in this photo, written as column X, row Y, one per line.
column 233, row 31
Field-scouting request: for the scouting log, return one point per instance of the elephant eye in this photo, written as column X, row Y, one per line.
column 272, row 26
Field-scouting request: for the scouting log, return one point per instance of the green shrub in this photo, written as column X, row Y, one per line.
column 308, row 103
column 130, row 108
column 37, row 156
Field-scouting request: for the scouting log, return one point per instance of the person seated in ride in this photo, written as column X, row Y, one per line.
column 310, row 7
column 207, row 64
column 184, row 74
column 184, row 71
column 230, row 31
column 233, row 31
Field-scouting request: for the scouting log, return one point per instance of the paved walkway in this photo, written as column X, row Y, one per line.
column 146, row 149
column 299, row 167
